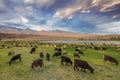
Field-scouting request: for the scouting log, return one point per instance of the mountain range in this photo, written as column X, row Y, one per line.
column 13, row 32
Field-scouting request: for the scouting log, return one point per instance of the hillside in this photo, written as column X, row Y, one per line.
column 16, row 33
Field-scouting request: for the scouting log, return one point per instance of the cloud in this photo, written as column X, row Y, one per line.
column 41, row 3
column 73, row 15
column 40, row 27
column 87, row 11
column 46, row 27
column 112, row 27
column 2, row 5
column 86, row 6
column 29, row 1
column 70, row 10
column 24, row 20
column 51, row 24
column 18, row 20
column 14, row 20
column 105, row 5
column 115, row 16
column 28, row 10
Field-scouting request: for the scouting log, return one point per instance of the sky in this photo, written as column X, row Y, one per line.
column 83, row 16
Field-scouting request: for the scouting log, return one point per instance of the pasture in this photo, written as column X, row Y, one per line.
column 54, row 70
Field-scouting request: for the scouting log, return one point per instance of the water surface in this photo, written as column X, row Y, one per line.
column 81, row 41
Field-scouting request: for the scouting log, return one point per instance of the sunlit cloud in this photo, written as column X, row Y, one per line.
column 69, row 11
column 86, row 6
column 105, row 5
column 116, row 16
column 24, row 20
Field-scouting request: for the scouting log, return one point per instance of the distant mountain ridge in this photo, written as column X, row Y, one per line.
column 13, row 32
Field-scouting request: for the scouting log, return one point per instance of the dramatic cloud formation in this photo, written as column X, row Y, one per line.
column 105, row 5
column 84, row 16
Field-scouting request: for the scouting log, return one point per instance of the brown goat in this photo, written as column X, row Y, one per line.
column 110, row 59
column 36, row 63
column 83, row 64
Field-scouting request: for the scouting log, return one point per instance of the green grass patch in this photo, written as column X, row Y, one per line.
column 53, row 70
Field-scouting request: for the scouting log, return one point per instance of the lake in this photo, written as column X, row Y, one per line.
column 81, row 41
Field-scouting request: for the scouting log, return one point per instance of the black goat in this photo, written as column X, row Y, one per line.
column 58, row 53
column 66, row 59
column 48, row 56
column 33, row 50
column 11, row 53
column 14, row 58
column 83, row 64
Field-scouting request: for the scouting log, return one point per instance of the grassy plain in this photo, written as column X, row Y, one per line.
column 53, row 70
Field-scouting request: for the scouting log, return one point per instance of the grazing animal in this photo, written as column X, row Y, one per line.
column 14, row 58
column 80, row 52
column 65, row 53
column 110, row 59
column 11, row 53
column 83, row 65
column 66, row 59
column 41, row 55
column 57, row 54
column 58, row 49
column 104, row 48
column 97, row 48
column 76, row 55
column 33, row 50
column 48, row 56
column 36, row 63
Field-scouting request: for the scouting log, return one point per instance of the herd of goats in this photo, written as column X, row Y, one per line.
column 78, row 63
